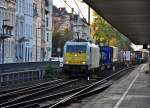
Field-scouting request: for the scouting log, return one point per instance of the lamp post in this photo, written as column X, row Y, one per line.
column 3, row 38
column 36, row 42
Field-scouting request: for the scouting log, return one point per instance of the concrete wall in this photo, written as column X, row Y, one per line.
column 17, row 73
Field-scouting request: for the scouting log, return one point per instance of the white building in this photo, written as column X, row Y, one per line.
column 7, row 18
column 80, row 29
column 24, row 22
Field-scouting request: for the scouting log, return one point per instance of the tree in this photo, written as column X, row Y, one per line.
column 59, row 40
column 104, row 33
column 55, row 43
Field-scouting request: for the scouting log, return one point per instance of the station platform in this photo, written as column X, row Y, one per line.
column 131, row 91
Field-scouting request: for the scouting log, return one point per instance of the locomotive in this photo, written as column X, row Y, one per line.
column 83, row 58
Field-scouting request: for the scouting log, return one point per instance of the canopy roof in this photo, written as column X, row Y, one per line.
column 130, row 17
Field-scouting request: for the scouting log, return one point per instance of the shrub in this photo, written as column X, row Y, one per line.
column 50, row 72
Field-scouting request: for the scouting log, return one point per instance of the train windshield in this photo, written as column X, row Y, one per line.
column 76, row 48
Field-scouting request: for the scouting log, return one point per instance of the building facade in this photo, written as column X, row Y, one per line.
column 38, row 23
column 24, row 23
column 63, row 20
column 48, row 29
column 42, row 30
column 7, row 31
column 80, row 29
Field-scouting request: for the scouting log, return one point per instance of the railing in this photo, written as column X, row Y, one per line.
column 18, row 73
column 13, row 67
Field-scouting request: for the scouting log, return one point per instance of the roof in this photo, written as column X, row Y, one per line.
column 59, row 11
column 130, row 17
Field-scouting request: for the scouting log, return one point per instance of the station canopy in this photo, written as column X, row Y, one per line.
column 130, row 17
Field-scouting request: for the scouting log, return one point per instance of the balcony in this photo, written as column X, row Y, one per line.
column 7, row 32
column 23, row 39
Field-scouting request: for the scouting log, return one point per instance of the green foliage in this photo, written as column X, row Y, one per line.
column 58, row 41
column 50, row 72
column 53, row 72
column 103, row 32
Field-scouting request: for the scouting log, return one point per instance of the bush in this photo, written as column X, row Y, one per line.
column 50, row 72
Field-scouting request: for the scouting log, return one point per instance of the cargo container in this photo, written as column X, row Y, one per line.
column 115, row 54
column 107, row 55
column 138, row 57
column 127, row 55
column 121, row 56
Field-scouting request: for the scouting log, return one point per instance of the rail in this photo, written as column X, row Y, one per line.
column 65, row 96
column 85, row 90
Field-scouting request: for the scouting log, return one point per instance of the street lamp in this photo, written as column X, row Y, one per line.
column 36, row 42
column 3, row 38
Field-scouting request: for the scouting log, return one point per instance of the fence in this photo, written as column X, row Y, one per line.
column 16, row 73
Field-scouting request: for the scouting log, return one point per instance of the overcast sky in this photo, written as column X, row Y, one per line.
column 83, row 6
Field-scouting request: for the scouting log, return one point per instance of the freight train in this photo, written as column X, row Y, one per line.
column 83, row 58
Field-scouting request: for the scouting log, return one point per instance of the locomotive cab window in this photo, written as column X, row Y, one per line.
column 76, row 48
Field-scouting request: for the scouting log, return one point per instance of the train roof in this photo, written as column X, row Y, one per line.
column 81, row 43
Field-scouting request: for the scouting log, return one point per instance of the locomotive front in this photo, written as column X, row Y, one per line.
column 75, row 57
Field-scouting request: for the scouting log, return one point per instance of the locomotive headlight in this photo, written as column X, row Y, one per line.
column 83, row 62
column 75, row 55
column 66, row 62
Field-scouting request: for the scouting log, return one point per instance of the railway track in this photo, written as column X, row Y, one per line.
column 29, row 94
column 24, row 85
column 87, row 91
column 63, row 94
column 12, row 93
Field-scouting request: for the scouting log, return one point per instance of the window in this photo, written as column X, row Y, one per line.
column 46, row 3
column 31, row 9
column 21, row 28
column 28, row 54
column 0, row 20
column 31, row 30
column 46, row 22
column 23, row 6
column 20, row 6
column 9, row 47
column 17, row 4
column 35, row 12
column 47, row 37
column 12, row 49
column 26, row 30
column 3, row 15
column 76, row 48
column 12, row 18
column 22, row 53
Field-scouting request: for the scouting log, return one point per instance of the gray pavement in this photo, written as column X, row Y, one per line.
column 131, row 91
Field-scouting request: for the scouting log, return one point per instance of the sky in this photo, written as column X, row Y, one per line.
column 137, row 47
column 83, row 7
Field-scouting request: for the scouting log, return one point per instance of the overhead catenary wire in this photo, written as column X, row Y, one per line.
column 83, row 19
column 69, row 6
column 79, row 8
